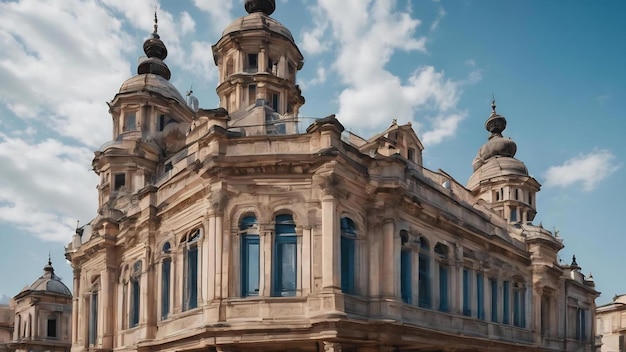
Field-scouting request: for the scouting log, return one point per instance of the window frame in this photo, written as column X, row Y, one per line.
column 281, row 241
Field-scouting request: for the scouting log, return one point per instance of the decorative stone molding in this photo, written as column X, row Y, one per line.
column 332, row 346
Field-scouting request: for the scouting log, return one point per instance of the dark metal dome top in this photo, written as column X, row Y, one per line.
column 265, row 6
column 157, row 52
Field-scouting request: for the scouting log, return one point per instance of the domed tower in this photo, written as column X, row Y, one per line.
column 43, row 313
column 499, row 178
column 150, row 120
column 257, row 60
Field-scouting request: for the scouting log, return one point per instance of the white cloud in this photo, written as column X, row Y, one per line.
column 219, row 12
column 320, row 78
column 365, row 42
column 585, row 169
column 187, row 24
column 45, row 187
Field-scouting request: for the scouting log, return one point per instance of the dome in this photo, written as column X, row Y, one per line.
column 256, row 21
column 152, row 83
column 49, row 283
column 497, row 146
column 496, row 166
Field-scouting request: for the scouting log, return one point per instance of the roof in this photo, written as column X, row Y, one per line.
column 255, row 21
column 152, row 83
column 48, row 283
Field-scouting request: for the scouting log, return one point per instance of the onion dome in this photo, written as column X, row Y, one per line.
column 496, row 157
column 48, row 283
column 156, row 52
column 265, row 6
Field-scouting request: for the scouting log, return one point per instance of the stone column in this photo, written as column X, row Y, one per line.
column 306, row 267
column 390, row 277
column 76, row 311
column 217, row 202
column 330, row 243
column 107, row 292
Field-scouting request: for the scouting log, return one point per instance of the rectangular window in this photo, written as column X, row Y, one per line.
column 161, row 122
column 275, row 102
column 480, row 296
column 347, row 264
column 493, row 283
column 134, row 303
column 165, row 287
column 581, row 329
column 424, row 298
column 513, row 214
column 411, row 154
column 52, row 327
column 443, row 289
column 119, row 181
column 497, row 196
column 130, row 121
column 191, row 279
column 253, row 65
column 285, row 257
column 530, row 199
column 93, row 318
column 506, row 287
column 250, row 255
column 467, row 306
column 251, row 94
column 405, row 275
column 516, row 194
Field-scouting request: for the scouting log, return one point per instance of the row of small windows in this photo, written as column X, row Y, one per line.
column 517, row 195
column 129, row 122
column 24, row 328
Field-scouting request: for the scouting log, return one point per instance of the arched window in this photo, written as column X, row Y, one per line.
column 166, row 278
column 285, row 257
column 424, row 287
column 348, row 260
column 229, row 67
column 190, row 271
column 405, row 268
column 135, row 294
column 250, row 256
column 441, row 250
column 581, row 324
column 92, row 329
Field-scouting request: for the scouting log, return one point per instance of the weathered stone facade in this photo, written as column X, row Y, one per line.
column 231, row 230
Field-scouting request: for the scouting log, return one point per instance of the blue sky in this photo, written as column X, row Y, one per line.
column 556, row 69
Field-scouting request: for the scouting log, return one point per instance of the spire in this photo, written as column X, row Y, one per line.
column 156, row 52
column 48, row 267
column 265, row 6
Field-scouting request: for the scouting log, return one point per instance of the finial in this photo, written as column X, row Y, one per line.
column 493, row 103
column 49, row 259
column 265, row 6
column 574, row 261
column 77, row 224
column 156, row 24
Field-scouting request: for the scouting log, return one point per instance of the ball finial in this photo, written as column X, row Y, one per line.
column 265, row 6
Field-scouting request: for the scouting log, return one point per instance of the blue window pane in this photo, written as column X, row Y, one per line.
column 285, row 275
column 247, row 223
column 134, row 315
column 424, row 299
column 494, row 299
column 250, row 265
column 405, row 276
column 191, row 292
column 467, row 308
column 506, row 288
column 165, row 287
column 93, row 318
column 480, row 296
column 443, row 289
column 347, row 257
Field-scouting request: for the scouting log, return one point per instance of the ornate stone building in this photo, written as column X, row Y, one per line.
column 38, row 318
column 231, row 230
column 611, row 325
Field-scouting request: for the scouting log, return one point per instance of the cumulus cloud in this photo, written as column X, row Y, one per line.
column 219, row 12
column 587, row 170
column 364, row 44
column 45, row 186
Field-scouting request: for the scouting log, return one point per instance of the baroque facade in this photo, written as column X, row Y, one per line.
column 230, row 229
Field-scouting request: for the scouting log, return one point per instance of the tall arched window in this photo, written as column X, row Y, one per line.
column 348, row 260
column 92, row 329
column 285, row 257
column 250, row 256
column 424, row 287
column 135, row 294
column 166, row 278
column 441, row 250
column 405, row 268
column 190, row 271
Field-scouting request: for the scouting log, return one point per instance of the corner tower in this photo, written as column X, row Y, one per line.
column 499, row 178
column 257, row 60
